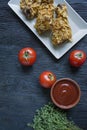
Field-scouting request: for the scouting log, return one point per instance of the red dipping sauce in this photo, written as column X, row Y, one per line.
column 65, row 93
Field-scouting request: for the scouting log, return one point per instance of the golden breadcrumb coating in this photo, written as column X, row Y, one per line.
column 61, row 30
column 45, row 18
column 29, row 8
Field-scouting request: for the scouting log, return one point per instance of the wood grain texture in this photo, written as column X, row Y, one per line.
column 20, row 92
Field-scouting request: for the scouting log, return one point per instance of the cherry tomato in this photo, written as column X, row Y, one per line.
column 47, row 79
column 27, row 56
column 77, row 58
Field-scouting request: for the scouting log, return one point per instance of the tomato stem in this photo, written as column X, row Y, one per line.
column 51, row 77
column 79, row 55
column 26, row 54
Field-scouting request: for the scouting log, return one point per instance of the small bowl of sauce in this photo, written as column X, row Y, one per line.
column 65, row 93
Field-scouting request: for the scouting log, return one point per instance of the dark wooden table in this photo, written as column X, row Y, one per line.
column 20, row 92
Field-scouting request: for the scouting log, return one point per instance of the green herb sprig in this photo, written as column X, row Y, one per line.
column 50, row 117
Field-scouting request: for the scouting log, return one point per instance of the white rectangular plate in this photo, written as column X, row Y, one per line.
column 78, row 25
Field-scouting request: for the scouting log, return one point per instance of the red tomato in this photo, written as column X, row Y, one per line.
column 47, row 79
column 77, row 58
column 27, row 56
